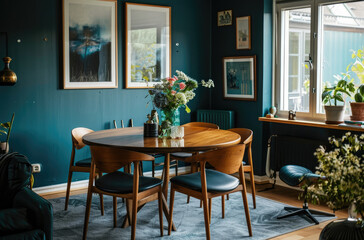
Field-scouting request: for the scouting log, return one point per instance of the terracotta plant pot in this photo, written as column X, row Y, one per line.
column 334, row 114
column 357, row 111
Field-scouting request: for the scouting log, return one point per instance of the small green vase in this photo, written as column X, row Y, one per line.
column 169, row 118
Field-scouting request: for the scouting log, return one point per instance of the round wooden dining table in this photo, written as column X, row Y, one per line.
column 195, row 139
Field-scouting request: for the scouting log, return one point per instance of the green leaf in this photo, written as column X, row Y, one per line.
column 326, row 94
column 188, row 110
column 361, row 90
column 358, row 97
column 339, row 98
column 4, row 132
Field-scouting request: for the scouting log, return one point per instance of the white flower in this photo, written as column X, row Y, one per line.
column 208, row 84
column 182, row 75
column 181, row 98
column 190, row 95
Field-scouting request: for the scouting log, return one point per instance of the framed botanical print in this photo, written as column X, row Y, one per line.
column 148, row 45
column 90, row 44
column 243, row 35
column 240, row 78
column 225, row 18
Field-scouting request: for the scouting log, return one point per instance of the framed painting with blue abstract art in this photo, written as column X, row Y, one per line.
column 90, row 44
column 240, row 78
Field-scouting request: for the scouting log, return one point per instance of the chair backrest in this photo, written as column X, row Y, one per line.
column 245, row 134
column 109, row 159
column 227, row 160
column 201, row 124
column 77, row 134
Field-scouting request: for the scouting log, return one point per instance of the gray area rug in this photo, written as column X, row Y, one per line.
column 188, row 219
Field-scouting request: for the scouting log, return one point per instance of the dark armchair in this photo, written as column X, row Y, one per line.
column 23, row 213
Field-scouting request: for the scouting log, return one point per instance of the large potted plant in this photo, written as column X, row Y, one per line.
column 332, row 97
column 5, row 129
column 341, row 166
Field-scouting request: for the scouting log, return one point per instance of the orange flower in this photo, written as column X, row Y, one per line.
column 173, row 92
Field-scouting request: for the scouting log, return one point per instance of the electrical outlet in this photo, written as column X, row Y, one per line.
column 36, row 167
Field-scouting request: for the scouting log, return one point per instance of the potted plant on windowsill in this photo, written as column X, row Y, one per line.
column 5, row 129
column 332, row 96
column 356, row 69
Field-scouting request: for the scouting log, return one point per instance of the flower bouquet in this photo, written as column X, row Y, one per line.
column 172, row 93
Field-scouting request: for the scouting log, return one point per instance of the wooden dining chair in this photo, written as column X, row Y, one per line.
column 181, row 156
column 247, row 138
column 209, row 183
column 134, row 188
column 83, row 165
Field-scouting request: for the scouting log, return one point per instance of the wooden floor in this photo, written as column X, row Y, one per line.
column 281, row 194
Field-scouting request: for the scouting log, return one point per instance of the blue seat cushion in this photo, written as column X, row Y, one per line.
column 216, row 181
column 84, row 163
column 182, row 154
column 120, row 182
column 293, row 175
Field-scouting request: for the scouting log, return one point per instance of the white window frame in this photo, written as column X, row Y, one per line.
column 315, row 44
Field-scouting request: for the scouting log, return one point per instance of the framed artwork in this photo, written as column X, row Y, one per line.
column 240, row 78
column 148, row 45
column 243, row 35
column 225, row 18
column 90, row 44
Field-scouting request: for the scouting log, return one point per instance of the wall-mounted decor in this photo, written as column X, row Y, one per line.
column 148, row 45
column 240, row 78
column 90, row 44
column 225, row 18
column 243, row 34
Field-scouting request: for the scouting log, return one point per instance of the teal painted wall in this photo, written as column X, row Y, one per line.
column 223, row 45
column 45, row 113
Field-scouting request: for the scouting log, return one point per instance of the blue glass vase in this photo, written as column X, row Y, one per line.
column 169, row 118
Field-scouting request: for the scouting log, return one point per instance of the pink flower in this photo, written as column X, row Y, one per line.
column 175, row 78
column 173, row 92
column 182, row 86
column 171, row 80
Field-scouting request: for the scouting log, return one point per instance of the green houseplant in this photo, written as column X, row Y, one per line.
column 355, row 71
column 341, row 166
column 5, row 129
column 332, row 96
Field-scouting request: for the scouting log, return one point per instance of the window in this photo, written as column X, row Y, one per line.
column 315, row 42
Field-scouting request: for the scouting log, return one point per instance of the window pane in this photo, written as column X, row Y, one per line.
column 295, row 49
column 342, row 32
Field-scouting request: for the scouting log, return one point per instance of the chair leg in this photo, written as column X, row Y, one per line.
column 134, row 217
column 153, row 168
column 115, row 206
column 87, row 214
column 188, row 199
column 171, row 202
column 68, row 189
column 160, row 207
column 252, row 182
column 210, row 204
column 141, row 168
column 102, row 204
column 246, row 208
column 206, row 216
column 227, row 197
column 223, row 206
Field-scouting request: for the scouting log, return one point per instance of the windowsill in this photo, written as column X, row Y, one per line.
column 309, row 124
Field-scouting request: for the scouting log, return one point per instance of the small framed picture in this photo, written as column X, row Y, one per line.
column 243, row 35
column 225, row 18
column 90, row 44
column 240, row 78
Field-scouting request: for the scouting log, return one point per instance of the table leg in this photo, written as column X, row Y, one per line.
column 165, row 187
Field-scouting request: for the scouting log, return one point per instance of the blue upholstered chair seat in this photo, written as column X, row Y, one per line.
column 182, row 154
column 120, row 182
column 293, row 175
column 84, row 163
column 216, row 181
